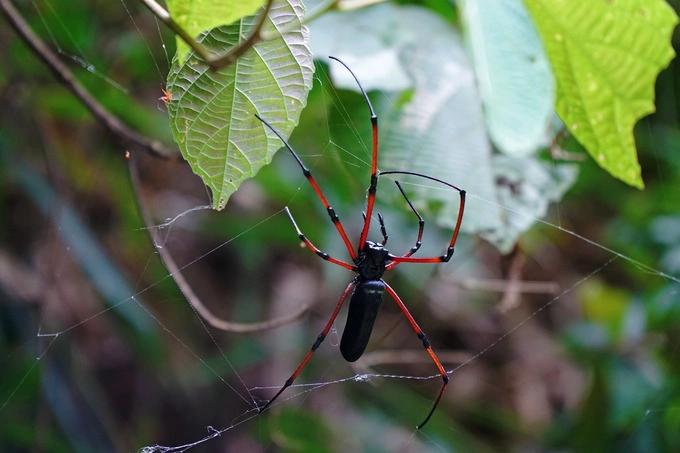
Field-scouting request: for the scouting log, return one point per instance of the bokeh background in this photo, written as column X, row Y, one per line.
column 570, row 343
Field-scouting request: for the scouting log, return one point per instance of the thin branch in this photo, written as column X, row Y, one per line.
column 189, row 293
column 217, row 62
column 127, row 136
column 211, row 318
column 213, row 60
column 319, row 10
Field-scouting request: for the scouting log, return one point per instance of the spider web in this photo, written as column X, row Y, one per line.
column 199, row 387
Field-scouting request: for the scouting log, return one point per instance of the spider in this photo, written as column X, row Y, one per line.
column 166, row 98
column 370, row 260
column 167, row 95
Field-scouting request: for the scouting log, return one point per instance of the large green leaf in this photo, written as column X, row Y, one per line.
column 513, row 74
column 606, row 55
column 525, row 188
column 436, row 127
column 197, row 16
column 369, row 40
column 212, row 114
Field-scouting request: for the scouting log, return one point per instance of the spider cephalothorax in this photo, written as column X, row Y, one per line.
column 372, row 261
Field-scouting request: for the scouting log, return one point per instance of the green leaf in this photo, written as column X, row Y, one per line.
column 439, row 131
column 197, row 16
column 606, row 55
column 513, row 74
column 437, row 126
column 525, row 188
column 212, row 114
column 369, row 40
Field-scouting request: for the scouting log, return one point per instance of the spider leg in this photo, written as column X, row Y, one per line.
column 317, row 189
column 421, row 227
column 374, row 163
column 315, row 346
column 407, row 258
column 426, row 344
column 383, row 230
column 314, row 248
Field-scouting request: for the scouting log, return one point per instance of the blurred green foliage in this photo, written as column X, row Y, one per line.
column 594, row 369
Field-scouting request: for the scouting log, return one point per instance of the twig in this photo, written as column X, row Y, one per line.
column 127, row 136
column 188, row 292
column 215, row 62
column 208, row 316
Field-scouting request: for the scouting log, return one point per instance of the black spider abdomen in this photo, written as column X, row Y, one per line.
column 363, row 310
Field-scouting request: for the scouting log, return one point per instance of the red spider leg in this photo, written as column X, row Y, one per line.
column 426, row 344
column 421, row 228
column 449, row 251
column 316, row 250
column 315, row 346
column 317, row 189
column 374, row 163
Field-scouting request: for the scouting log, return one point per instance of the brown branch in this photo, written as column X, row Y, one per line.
column 217, row 62
column 211, row 318
column 514, row 265
column 192, row 298
column 213, row 60
column 127, row 136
